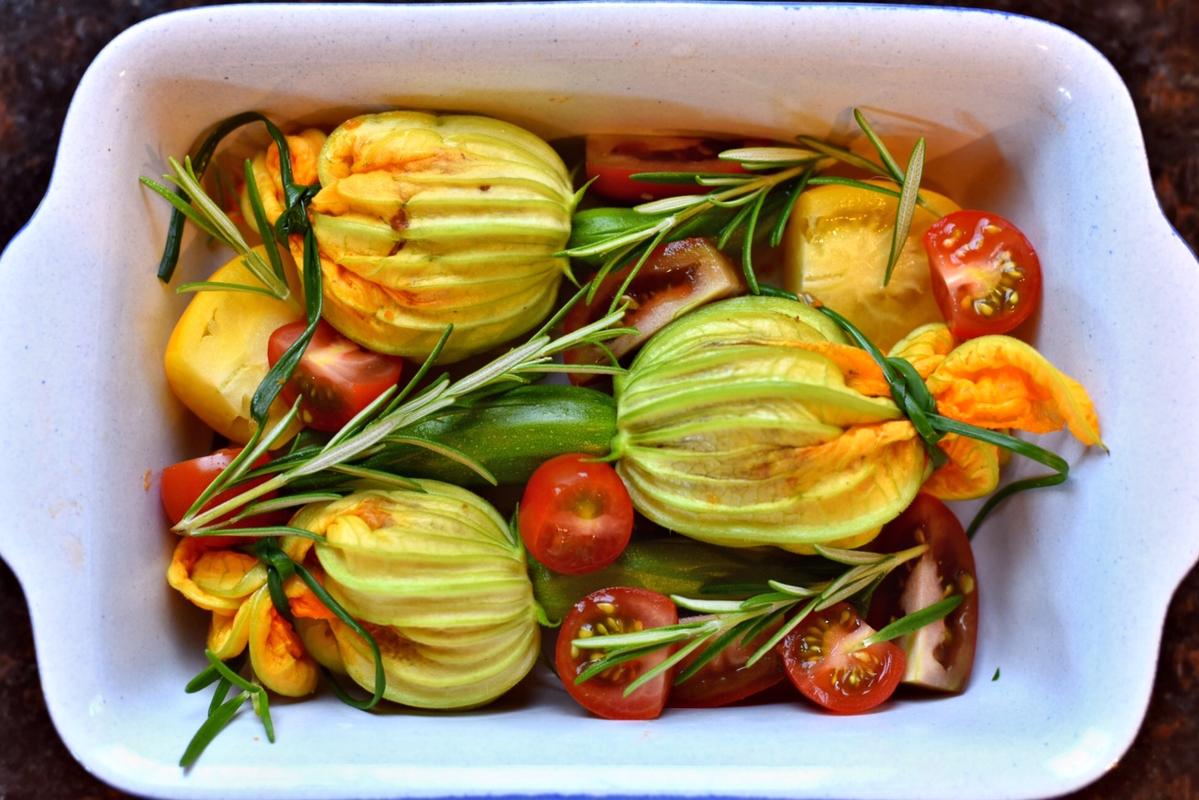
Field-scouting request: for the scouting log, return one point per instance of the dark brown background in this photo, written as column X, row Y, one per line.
column 44, row 48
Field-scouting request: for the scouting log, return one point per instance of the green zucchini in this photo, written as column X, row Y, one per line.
column 510, row 433
column 677, row 565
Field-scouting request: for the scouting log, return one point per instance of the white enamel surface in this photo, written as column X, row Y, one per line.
column 1020, row 117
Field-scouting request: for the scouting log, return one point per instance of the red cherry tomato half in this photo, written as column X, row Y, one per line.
column 986, row 276
column 823, row 660
column 336, row 377
column 676, row 278
column 182, row 483
column 939, row 655
column 576, row 515
column 613, row 160
column 615, row 610
column 725, row 678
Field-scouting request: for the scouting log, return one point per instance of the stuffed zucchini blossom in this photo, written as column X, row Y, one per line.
column 755, row 422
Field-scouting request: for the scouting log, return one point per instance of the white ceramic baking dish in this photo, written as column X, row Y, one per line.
column 1021, row 117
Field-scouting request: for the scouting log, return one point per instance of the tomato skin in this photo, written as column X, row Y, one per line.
column 613, row 160
column 817, row 662
column 183, row 482
column 618, row 609
column 576, row 515
column 726, row 679
column 940, row 656
column 986, row 276
column 336, row 377
column 676, row 278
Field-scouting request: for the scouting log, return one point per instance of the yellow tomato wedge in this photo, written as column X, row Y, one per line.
column 216, row 356
column 836, row 250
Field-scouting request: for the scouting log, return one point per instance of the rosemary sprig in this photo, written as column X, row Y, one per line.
column 391, row 420
column 293, row 220
column 208, row 216
column 749, row 618
column 737, row 203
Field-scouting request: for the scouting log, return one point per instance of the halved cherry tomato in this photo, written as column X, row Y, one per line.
column 726, row 679
column 336, row 377
column 676, row 278
column 576, row 515
column 615, row 610
column 613, row 160
column 824, row 661
column 183, row 482
column 940, row 655
column 986, row 276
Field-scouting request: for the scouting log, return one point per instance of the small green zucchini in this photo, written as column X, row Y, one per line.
column 510, row 433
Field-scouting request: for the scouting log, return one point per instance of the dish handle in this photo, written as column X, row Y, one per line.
column 44, row 288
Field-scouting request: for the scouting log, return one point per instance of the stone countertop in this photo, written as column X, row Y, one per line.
column 1154, row 44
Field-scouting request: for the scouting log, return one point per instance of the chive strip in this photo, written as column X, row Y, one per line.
column 272, row 384
column 747, row 244
column 212, row 726
column 328, row 602
column 203, row 155
column 780, row 225
column 264, row 226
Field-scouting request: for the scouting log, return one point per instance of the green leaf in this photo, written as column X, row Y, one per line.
column 205, row 678
column 263, row 224
column 666, row 177
column 278, row 375
column 793, row 591
column 1018, row 446
column 848, row 557
column 657, row 637
column 883, row 153
column 647, row 251
column 212, row 726
column 747, row 244
column 663, row 666
column 995, row 677
column 328, row 602
column 774, row 156
column 714, row 649
column 446, row 451
column 221, row 286
column 668, row 205
column 615, row 659
column 780, row 225
column 271, row 531
column 845, row 591
column 782, row 632
column 262, row 707
column 906, row 208
column 421, row 372
column 218, row 696
column 841, row 154
column 910, row 623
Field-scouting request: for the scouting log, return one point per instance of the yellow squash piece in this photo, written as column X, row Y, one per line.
column 217, row 353
column 837, row 243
